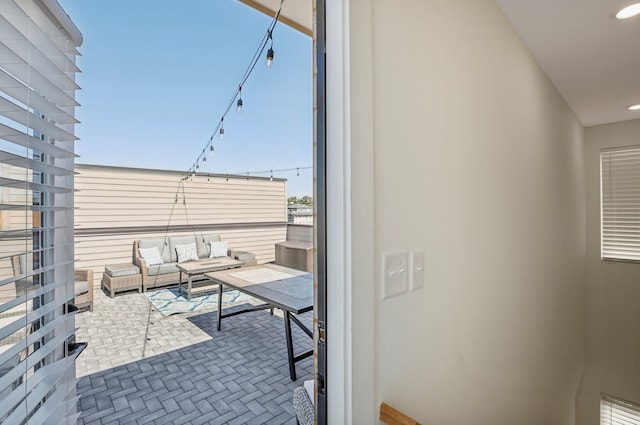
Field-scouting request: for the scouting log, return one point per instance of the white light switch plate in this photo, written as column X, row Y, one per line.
column 416, row 267
column 395, row 269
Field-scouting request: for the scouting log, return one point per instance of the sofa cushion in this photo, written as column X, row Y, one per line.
column 162, row 248
column 203, row 244
column 119, row 270
column 187, row 252
column 179, row 240
column 219, row 249
column 151, row 255
column 166, row 268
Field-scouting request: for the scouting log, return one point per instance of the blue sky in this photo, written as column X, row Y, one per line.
column 157, row 76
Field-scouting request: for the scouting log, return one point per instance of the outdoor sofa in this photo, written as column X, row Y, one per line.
column 166, row 273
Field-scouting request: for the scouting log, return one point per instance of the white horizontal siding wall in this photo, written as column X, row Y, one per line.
column 117, row 205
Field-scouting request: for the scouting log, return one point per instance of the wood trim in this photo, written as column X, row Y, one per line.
column 125, row 230
column 269, row 12
column 391, row 416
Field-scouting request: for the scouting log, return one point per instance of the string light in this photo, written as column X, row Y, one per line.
column 248, row 174
column 237, row 95
column 270, row 52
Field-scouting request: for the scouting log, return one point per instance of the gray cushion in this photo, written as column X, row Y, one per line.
column 124, row 269
column 203, row 245
column 81, row 287
column 179, row 240
column 164, row 249
column 166, row 268
column 245, row 255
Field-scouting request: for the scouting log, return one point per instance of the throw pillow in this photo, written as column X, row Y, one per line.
column 187, row 252
column 219, row 249
column 151, row 256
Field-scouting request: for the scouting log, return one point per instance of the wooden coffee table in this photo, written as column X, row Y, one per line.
column 196, row 268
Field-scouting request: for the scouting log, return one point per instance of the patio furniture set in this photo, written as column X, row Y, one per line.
column 161, row 265
column 206, row 259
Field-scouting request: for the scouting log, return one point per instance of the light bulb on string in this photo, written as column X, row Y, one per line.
column 239, row 104
column 271, row 178
column 222, row 129
column 270, row 53
column 204, row 158
column 298, row 172
column 211, row 149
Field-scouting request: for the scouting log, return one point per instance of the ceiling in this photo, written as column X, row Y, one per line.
column 592, row 58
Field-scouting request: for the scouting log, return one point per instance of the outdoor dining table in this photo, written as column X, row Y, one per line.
column 281, row 287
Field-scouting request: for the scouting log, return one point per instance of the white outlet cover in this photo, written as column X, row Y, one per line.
column 416, row 267
column 395, row 270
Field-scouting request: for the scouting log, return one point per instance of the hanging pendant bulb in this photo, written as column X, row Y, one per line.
column 239, row 104
column 222, row 129
column 204, row 159
column 298, row 172
column 270, row 55
column 271, row 178
column 211, row 149
column 270, row 52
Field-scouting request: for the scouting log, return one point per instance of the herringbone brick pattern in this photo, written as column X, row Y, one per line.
column 236, row 376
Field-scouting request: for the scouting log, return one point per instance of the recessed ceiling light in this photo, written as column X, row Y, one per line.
column 634, row 108
column 629, row 11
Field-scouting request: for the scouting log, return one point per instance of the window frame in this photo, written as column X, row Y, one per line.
column 619, row 206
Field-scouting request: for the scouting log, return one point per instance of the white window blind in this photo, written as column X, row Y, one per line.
column 620, row 203
column 37, row 104
column 616, row 411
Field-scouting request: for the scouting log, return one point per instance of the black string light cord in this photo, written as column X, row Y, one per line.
column 237, row 95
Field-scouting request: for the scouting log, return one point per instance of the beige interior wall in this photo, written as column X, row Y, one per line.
column 477, row 160
column 613, row 294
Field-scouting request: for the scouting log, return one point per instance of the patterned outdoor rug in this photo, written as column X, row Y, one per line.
column 172, row 301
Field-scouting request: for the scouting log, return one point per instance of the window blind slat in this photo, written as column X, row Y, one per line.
column 33, row 165
column 35, row 187
column 24, row 72
column 17, row 90
column 57, row 53
column 25, row 140
column 29, row 119
column 25, row 51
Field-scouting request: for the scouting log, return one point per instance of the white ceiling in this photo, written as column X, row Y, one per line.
column 592, row 58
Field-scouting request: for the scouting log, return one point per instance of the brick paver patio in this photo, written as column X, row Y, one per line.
column 143, row 368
